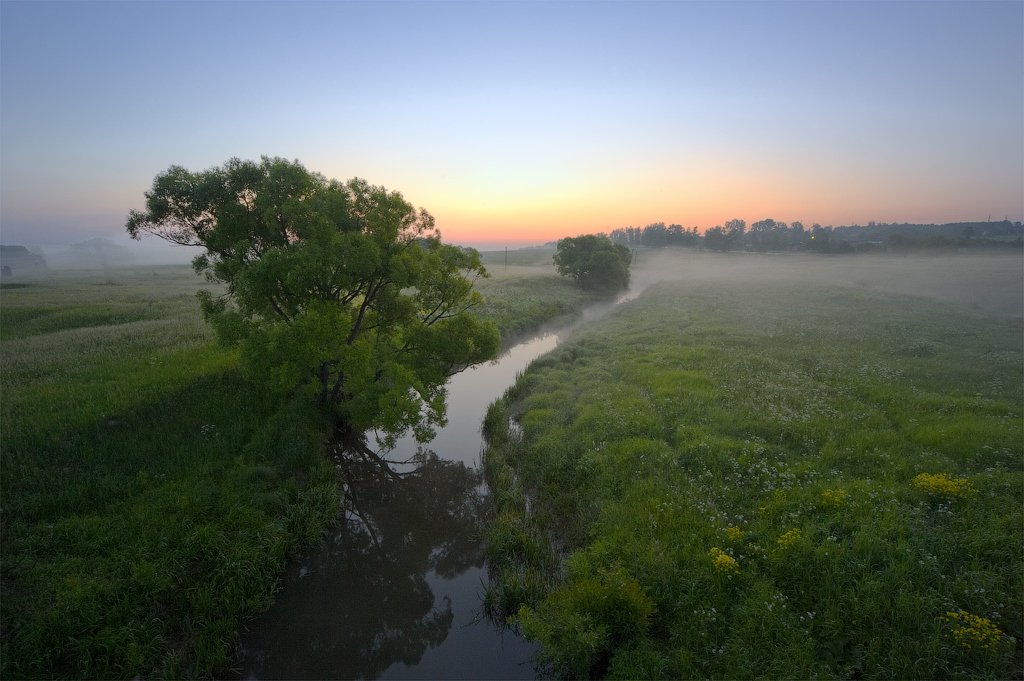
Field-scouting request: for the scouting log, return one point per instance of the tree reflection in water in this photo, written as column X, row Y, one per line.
column 361, row 602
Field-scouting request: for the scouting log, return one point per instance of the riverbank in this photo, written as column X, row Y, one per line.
column 522, row 300
column 151, row 494
column 724, row 479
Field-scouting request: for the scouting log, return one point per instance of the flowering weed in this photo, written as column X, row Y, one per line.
column 941, row 485
column 734, row 534
column 724, row 562
column 834, row 498
column 789, row 539
column 971, row 631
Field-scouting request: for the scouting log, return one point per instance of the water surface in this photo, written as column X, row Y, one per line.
column 395, row 590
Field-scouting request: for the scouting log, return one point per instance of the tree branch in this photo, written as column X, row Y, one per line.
column 278, row 310
column 367, row 299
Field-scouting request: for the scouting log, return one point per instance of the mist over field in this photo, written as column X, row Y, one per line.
column 988, row 283
column 101, row 252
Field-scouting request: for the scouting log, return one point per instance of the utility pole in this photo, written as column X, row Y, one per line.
column 506, row 258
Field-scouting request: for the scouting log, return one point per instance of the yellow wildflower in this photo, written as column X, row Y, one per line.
column 834, row 498
column 972, row 631
column 733, row 534
column 723, row 561
column 787, row 540
column 942, row 485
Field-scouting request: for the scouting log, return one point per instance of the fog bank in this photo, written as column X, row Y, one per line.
column 989, row 283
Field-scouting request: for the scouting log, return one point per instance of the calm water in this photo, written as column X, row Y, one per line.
column 395, row 591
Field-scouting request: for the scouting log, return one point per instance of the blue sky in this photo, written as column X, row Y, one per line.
column 522, row 122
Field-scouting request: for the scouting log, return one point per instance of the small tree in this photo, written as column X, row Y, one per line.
column 594, row 262
column 344, row 290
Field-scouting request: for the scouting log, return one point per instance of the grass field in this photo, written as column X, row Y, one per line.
column 757, row 473
column 150, row 492
column 525, row 298
column 539, row 259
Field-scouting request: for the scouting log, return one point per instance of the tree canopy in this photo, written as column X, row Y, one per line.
column 655, row 235
column 594, row 262
column 341, row 289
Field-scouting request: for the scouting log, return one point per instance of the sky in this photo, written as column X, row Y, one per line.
column 517, row 123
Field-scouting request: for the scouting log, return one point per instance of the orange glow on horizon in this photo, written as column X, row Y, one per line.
column 789, row 194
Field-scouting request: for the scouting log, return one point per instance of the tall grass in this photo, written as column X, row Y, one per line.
column 518, row 259
column 150, row 492
column 522, row 301
column 721, row 480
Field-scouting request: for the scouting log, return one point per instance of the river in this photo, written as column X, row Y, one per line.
column 395, row 590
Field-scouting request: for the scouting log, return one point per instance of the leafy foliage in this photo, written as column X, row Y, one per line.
column 345, row 288
column 594, row 262
column 723, row 239
column 656, row 235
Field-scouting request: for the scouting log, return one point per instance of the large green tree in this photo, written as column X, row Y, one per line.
column 341, row 289
column 594, row 262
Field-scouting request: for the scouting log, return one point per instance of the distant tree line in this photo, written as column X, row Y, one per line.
column 20, row 259
column 769, row 235
column 655, row 235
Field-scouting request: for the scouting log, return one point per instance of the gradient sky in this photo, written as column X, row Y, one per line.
column 523, row 122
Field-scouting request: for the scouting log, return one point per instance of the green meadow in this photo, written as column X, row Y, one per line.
column 525, row 291
column 765, row 471
column 678, row 484
column 522, row 301
column 151, row 492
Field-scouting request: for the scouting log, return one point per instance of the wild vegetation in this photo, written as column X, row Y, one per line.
column 759, row 477
column 152, row 490
column 521, row 301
